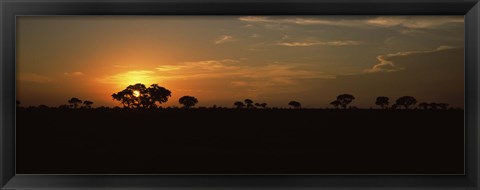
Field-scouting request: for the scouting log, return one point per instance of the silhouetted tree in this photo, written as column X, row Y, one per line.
column 406, row 101
column 423, row 105
column 263, row 105
column 382, row 101
column 157, row 94
column 249, row 103
column 239, row 104
column 435, row 106
column 130, row 96
column 295, row 104
column 88, row 104
column 43, row 106
column 139, row 96
column 335, row 103
column 188, row 101
column 394, row 106
column 345, row 99
column 74, row 102
column 64, row 106
column 444, row 106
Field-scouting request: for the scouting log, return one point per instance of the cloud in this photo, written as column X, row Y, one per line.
column 223, row 39
column 282, row 20
column 239, row 83
column 434, row 75
column 331, row 43
column 385, row 65
column 409, row 22
column 414, row 22
column 32, row 77
column 73, row 74
column 229, row 69
column 165, row 68
column 198, row 69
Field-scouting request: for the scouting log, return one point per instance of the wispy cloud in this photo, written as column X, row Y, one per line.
column 385, row 65
column 313, row 43
column 228, row 69
column 413, row 22
column 73, row 74
column 255, row 35
column 223, row 39
column 198, row 69
column 33, row 77
column 298, row 21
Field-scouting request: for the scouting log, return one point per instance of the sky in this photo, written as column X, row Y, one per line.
column 223, row 59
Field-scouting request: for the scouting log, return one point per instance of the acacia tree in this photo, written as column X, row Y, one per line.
column 263, row 105
column 406, row 101
column 394, row 106
column 345, row 99
column 239, row 104
column 188, row 101
column 74, row 102
column 249, row 103
column 423, row 105
column 444, row 106
column 335, row 103
column 157, row 94
column 295, row 104
column 139, row 96
column 382, row 101
column 88, row 104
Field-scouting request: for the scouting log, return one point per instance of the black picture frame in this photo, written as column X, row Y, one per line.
column 9, row 9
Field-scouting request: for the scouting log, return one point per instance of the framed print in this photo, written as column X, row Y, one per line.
column 239, row 94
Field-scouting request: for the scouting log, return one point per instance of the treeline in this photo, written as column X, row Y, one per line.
column 139, row 96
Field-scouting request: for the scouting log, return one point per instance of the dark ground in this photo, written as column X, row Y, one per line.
column 231, row 141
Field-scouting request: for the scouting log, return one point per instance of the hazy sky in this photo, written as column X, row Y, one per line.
column 222, row 59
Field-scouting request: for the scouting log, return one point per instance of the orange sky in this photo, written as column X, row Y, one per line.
column 222, row 59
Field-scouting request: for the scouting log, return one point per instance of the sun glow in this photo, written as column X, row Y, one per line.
column 136, row 93
column 122, row 80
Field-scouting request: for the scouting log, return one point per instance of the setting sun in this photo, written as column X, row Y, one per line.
column 136, row 93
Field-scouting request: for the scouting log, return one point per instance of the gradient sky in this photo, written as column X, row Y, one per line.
column 222, row 59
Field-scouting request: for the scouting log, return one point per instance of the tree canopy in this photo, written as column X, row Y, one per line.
column 88, row 104
column 295, row 104
column 139, row 96
column 406, row 101
column 345, row 99
column 188, row 101
column 249, row 103
column 382, row 101
column 239, row 104
column 74, row 102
